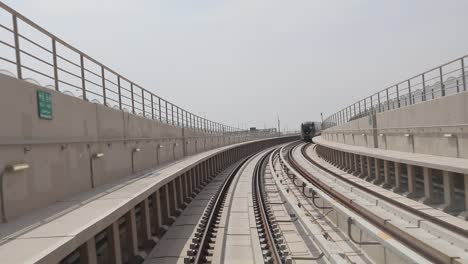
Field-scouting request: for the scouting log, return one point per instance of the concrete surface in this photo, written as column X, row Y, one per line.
column 60, row 151
column 47, row 235
column 436, row 127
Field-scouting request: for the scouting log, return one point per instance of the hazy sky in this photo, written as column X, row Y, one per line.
column 245, row 61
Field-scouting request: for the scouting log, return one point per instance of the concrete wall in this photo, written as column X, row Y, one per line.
column 436, row 127
column 60, row 151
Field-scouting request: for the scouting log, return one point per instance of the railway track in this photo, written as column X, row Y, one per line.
column 330, row 244
column 282, row 206
column 201, row 248
column 245, row 220
column 356, row 197
column 397, row 203
column 229, row 206
column 263, row 214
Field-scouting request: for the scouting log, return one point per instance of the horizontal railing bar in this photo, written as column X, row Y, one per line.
column 67, row 60
column 175, row 117
column 7, row 44
column 35, row 44
column 93, row 73
column 35, row 71
column 70, row 84
column 109, row 81
column 37, row 58
column 68, row 72
column 7, row 60
column 7, row 28
column 89, row 81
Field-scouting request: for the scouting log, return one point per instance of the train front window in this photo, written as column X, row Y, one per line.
column 308, row 128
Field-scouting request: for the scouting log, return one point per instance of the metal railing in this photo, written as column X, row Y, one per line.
column 449, row 78
column 34, row 53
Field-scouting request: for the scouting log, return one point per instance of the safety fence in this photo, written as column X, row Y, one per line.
column 31, row 53
column 446, row 79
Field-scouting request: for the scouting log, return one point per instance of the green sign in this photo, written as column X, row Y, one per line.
column 44, row 104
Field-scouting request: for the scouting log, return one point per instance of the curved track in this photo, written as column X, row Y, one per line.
column 425, row 248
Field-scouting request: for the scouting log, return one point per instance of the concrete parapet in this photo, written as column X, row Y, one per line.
column 423, row 173
column 437, row 127
column 129, row 215
column 84, row 145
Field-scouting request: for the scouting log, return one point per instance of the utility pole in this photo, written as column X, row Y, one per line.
column 321, row 125
column 279, row 127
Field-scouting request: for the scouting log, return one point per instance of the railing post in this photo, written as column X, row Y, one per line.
column 177, row 115
column 398, row 96
column 409, row 91
column 143, row 101
column 103, row 78
column 172, row 113
column 388, row 100
column 17, row 48
column 167, row 114
column 189, row 118
column 83, row 80
column 159, row 109
column 378, row 99
column 442, row 86
column 346, row 115
column 463, row 75
column 424, row 88
column 182, row 117
column 132, row 97
column 152, row 107
column 119, row 92
column 365, row 105
column 54, row 59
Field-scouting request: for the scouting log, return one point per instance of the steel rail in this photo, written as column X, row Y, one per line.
column 259, row 199
column 211, row 221
column 430, row 218
column 429, row 252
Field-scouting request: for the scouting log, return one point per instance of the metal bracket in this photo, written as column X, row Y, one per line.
column 303, row 192
column 350, row 222
column 315, row 204
column 309, row 258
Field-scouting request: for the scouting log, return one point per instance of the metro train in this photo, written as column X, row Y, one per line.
column 309, row 130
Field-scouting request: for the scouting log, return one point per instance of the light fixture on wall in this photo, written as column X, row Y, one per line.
column 135, row 150
column 12, row 168
column 98, row 155
column 17, row 167
column 448, row 135
column 91, row 167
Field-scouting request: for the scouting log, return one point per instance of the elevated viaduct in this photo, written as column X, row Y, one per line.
column 95, row 169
